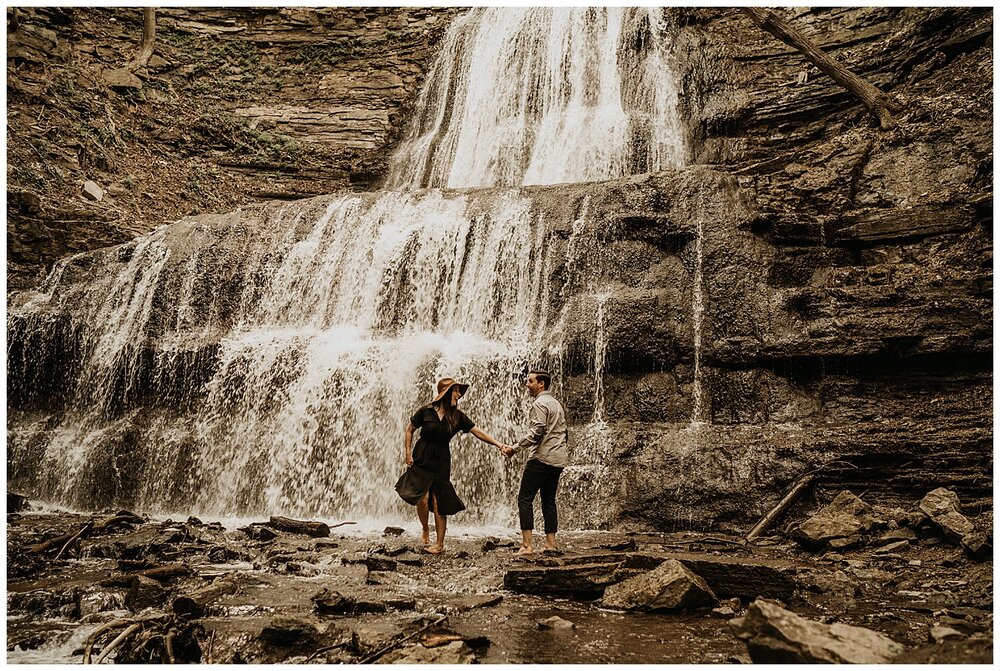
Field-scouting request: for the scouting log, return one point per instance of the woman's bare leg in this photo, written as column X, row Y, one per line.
column 440, row 527
column 423, row 514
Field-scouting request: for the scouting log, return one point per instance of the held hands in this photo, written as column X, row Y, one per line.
column 507, row 450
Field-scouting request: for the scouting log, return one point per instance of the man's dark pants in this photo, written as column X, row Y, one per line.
column 538, row 476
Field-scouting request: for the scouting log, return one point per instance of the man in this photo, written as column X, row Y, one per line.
column 548, row 455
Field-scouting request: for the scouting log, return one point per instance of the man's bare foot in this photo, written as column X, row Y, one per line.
column 434, row 549
column 525, row 550
column 550, row 548
column 425, row 536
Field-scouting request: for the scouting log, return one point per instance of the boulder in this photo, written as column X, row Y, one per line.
column 940, row 633
column 978, row 545
column 774, row 636
column 954, row 525
column 844, row 517
column 327, row 601
column 370, row 636
column 259, row 532
column 285, row 630
column 92, row 192
column 393, row 531
column 456, row 652
column 144, row 593
column 670, row 586
column 555, row 622
column 743, row 577
column 945, row 510
column 121, row 78
column 939, row 502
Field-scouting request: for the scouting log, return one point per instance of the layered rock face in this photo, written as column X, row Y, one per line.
column 813, row 293
column 236, row 106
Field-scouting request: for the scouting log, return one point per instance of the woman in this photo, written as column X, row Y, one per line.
column 427, row 480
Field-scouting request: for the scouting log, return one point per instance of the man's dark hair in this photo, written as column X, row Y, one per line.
column 543, row 377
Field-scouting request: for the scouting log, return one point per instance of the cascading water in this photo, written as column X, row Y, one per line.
column 300, row 346
column 533, row 95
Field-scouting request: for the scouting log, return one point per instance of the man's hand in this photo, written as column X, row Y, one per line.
column 508, row 451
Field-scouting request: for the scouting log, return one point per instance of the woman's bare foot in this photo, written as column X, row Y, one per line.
column 525, row 550
column 425, row 536
column 434, row 549
column 550, row 548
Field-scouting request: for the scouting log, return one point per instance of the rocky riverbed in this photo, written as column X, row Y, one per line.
column 849, row 582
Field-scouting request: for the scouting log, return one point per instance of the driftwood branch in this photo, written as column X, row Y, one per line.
column 784, row 504
column 86, row 527
column 148, row 39
column 878, row 102
column 115, row 643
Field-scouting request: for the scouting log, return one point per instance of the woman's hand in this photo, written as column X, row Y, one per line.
column 409, row 459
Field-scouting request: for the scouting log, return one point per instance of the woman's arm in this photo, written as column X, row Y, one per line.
column 485, row 437
column 408, row 443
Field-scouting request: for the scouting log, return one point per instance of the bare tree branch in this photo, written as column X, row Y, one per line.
column 878, row 103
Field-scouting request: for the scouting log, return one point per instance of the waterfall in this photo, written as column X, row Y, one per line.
column 266, row 362
column 355, row 315
column 532, row 95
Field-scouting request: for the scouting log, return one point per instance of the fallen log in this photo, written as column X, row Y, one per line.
column 121, row 517
column 60, row 541
column 160, row 573
column 784, row 504
column 195, row 603
column 314, row 529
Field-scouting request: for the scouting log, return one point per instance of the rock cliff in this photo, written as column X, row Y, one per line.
column 812, row 294
column 236, row 106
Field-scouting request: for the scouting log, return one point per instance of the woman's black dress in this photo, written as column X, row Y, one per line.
column 431, row 469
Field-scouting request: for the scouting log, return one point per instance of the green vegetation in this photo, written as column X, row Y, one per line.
column 252, row 145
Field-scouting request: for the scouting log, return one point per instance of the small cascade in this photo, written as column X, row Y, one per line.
column 600, row 350
column 697, row 309
column 533, row 95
